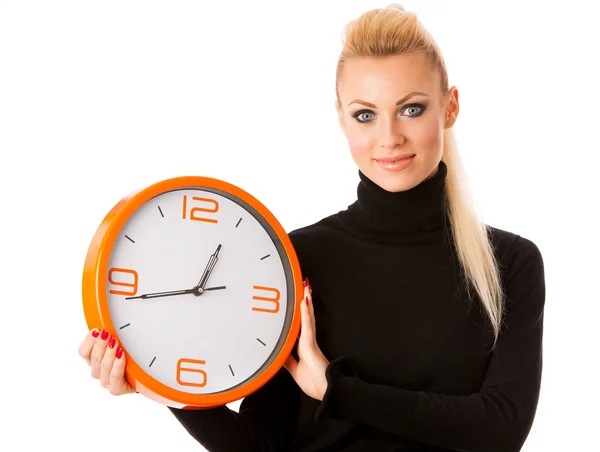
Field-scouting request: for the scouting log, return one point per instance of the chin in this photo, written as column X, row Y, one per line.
column 395, row 181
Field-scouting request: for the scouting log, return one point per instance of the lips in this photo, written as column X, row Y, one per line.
column 398, row 164
column 395, row 159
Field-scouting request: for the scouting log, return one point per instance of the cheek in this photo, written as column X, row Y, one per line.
column 428, row 134
column 360, row 141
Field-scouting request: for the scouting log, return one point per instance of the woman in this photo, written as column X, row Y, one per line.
column 422, row 327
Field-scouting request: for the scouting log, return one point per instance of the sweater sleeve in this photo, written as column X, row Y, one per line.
column 498, row 417
column 265, row 422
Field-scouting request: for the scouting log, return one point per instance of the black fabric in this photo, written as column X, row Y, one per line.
column 410, row 361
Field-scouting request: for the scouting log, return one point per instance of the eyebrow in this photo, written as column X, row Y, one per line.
column 408, row 96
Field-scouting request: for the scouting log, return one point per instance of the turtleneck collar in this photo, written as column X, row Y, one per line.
column 417, row 215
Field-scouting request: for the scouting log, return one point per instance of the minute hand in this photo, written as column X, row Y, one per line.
column 193, row 290
column 163, row 294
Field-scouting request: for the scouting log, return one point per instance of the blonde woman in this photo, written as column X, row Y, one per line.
column 422, row 326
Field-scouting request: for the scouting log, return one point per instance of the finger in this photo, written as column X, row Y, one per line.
column 107, row 362
column 307, row 284
column 98, row 353
column 311, row 308
column 85, row 348
column 117, row 382
column 307, row 333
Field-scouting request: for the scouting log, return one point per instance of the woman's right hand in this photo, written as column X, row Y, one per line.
column 106, row 360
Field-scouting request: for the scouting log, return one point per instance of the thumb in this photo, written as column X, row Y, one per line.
column 291, row 365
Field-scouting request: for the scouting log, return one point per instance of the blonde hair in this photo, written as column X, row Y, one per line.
column 391, row 31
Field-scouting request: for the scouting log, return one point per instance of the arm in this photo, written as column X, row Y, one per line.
column 498, row 417
column 265, row 422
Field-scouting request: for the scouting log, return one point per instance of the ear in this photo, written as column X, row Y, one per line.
column 340, row 116
column 452, row 107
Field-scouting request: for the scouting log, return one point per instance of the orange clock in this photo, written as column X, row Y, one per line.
column 201, row 286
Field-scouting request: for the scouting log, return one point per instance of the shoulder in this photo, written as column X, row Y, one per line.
column 315, row 241
column 522, row 268
column 315, row 233
column 515, row 253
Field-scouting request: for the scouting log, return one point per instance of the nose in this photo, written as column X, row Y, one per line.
column 391, row 134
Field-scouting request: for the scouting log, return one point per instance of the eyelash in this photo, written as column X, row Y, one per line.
column 421, row 106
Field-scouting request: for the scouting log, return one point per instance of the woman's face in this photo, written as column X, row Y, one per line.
column 380, row 121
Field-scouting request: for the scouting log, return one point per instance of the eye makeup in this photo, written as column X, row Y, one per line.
column 421, row 107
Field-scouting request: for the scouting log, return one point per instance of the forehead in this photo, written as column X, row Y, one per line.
column 392, row 76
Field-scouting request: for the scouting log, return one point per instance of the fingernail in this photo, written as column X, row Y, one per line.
column 95, row 333
column 304, row 282
column 112, row 341
column 306, row 299
column 119, row 352
column 308, row 284
column 104, row 335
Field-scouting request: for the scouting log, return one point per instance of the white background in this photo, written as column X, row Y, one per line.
column 98, row 98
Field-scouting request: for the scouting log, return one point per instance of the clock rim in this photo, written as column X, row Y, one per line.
column 95, row 303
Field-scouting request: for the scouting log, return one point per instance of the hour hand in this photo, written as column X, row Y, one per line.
column 209, row 268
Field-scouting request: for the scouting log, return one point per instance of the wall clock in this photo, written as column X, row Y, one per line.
column 201, row 286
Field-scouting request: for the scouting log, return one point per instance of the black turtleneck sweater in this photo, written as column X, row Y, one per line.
column 411, row 367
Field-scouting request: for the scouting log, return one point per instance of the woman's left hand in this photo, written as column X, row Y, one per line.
column 309, row 371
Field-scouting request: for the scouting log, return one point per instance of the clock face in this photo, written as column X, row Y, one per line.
column 199, row 341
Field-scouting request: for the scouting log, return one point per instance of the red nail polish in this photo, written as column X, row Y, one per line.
column 306, row 299
column 119, row 352
column 112, row 341
column 95, row 333
column 308, row 284
column 104, row 335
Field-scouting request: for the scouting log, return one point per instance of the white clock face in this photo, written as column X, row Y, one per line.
column 196, row 341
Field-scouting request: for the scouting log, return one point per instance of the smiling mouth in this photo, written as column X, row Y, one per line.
column 395, row 161
column 396, row 165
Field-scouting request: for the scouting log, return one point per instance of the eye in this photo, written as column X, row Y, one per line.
column 418, row 110
column 415, row 106
column 361, row 113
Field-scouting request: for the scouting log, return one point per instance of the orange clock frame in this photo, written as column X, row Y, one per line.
column 95, row 303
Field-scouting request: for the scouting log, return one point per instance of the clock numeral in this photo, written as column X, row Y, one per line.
column 133, row 286
column 190, row 371
column 194, row 210
column 274, row 299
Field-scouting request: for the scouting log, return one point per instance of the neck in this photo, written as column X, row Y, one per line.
column 414, row 215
